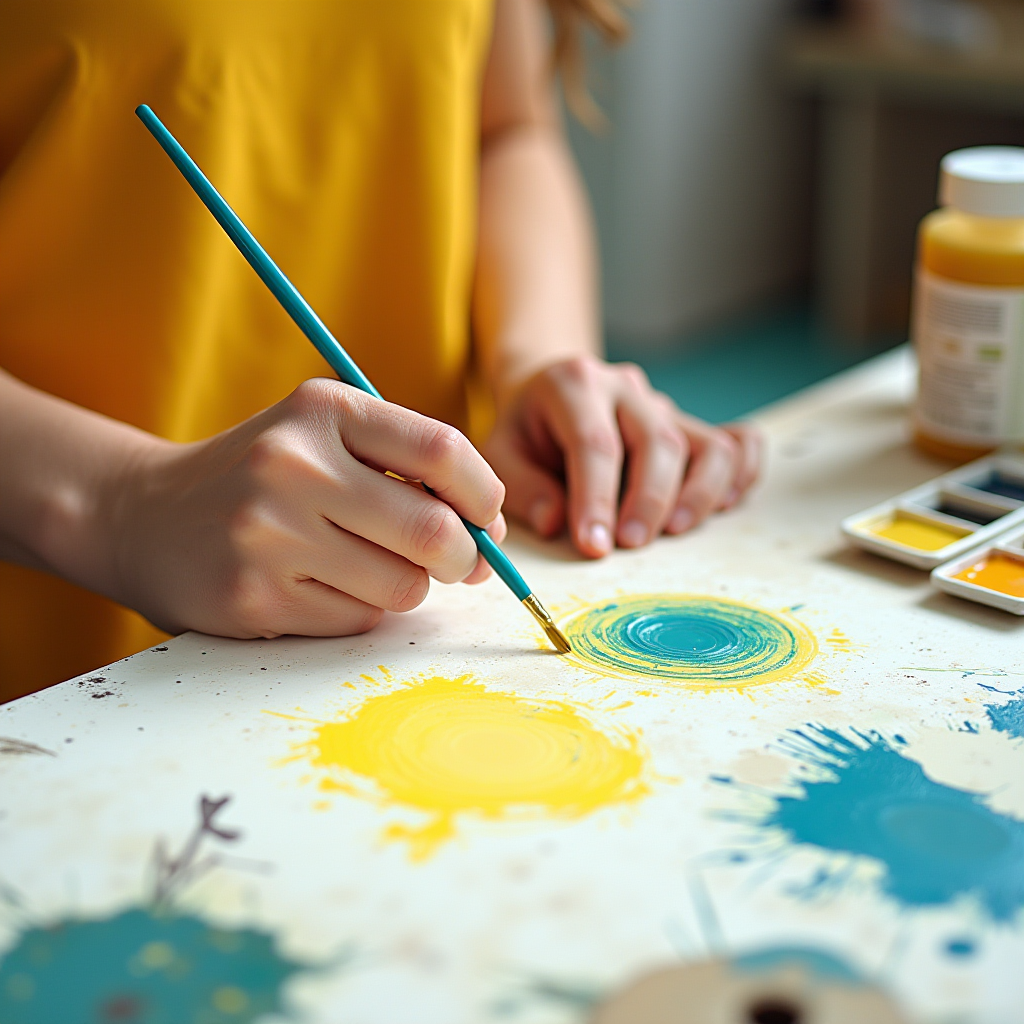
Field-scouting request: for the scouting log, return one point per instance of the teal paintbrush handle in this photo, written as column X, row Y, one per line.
column 496, row 558
column 284, row 291
column 300, row 311
column 498, row 561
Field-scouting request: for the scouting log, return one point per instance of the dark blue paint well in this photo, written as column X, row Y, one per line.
column 1008, row 717
column 936, row 843
column 141, row 967
column 1006, row 486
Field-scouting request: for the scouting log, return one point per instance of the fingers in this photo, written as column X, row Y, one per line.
column 750, row 457
column 582, row 420
column 534, row 495
column 406, row 529
column 399, row 517
column 421, row 528
column 498, row 529
column 312, row 608
column 365, row 571
column 281, row 525
column 709, row 477
column 657, row 451
column 418, row 448
column 594, row 413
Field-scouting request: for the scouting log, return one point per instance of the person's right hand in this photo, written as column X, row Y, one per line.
column 288, row 524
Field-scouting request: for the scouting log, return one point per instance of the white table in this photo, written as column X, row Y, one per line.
column 529, row 915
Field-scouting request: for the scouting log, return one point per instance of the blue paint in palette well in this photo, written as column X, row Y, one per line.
column 936, row 843
column 142, row 967
column 690, row 638
column 1003, row 485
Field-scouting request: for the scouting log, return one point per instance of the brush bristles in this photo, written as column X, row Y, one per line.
column 558, row 639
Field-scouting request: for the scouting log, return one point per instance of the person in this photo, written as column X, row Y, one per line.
column 173, row 454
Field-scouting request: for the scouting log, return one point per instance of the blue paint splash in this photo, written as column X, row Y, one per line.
column 935, row 842
column 702, row 640
column 142, row 967
column 1008, row 717
column 152, row 964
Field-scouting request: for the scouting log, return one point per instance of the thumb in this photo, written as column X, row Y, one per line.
column 532, row 494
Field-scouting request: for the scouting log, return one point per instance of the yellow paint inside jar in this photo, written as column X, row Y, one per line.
column 451, row 749
column 984, row 252
column 916, row 533
column 997, row 572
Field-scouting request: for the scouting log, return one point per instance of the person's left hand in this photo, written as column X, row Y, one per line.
column 592, row 445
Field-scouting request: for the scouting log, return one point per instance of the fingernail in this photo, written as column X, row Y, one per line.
column 540, row 514
column 633, row 533
column 731, row 498
column 599, row 538
column 682, row 520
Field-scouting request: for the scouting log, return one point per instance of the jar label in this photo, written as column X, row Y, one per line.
column 968, row 340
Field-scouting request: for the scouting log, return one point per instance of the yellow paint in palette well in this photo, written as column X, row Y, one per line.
column 452, row 749
column 996, row 572
column 917, row 533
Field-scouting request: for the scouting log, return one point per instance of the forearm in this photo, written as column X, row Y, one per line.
column 535, row 300
column 60, row 466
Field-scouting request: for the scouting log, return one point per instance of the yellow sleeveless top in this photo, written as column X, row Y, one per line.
column 344, row 133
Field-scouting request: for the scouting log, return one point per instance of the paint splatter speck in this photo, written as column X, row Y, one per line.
column 451, row 749
column 936, row 843
column 702, row 642
column 960, row 947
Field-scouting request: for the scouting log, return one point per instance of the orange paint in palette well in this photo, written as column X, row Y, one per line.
column 1002, row 573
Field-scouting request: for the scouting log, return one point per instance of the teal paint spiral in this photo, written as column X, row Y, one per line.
column 704, row 641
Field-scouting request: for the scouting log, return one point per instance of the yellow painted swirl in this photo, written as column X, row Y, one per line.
column 451, row 747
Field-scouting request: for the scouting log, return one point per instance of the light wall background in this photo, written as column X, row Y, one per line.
column 700, row 185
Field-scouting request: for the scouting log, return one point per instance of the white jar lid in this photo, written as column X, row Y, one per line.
column 987, row 181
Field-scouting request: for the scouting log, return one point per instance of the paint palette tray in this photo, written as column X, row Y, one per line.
column 992, row 575
column 946, row 517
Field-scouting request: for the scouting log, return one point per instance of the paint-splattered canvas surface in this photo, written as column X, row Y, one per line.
column 764, row 740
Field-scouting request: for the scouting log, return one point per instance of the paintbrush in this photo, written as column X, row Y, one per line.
column 327, row 345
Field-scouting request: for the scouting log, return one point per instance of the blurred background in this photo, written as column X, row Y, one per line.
column 765, row 164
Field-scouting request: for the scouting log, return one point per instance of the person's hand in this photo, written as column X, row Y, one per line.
column 592, row 446
column 288, row 524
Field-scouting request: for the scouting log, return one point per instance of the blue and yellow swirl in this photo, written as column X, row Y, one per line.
column 697, row 641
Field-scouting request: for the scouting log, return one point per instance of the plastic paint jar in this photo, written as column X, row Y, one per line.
column 968, row 319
